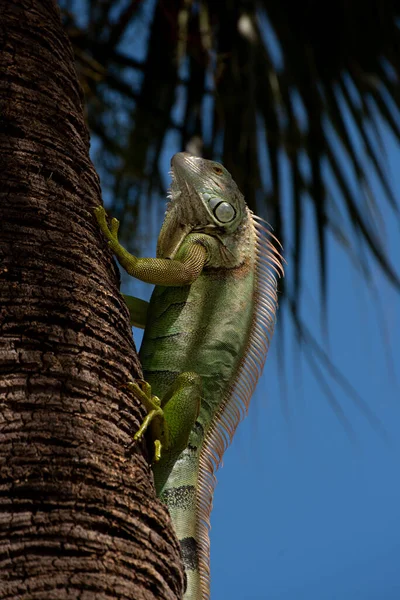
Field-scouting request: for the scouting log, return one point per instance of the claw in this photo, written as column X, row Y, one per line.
column 157, row 450
column 100, row 215
column 114, row 227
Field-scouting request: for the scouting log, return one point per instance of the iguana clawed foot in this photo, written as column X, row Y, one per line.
column 155, row 415
column 111, row 232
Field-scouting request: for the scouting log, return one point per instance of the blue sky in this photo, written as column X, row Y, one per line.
column 301, row 509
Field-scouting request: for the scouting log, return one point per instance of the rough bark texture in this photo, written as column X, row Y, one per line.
column 78, row 517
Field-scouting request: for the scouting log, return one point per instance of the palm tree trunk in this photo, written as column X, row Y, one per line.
column 78, row 516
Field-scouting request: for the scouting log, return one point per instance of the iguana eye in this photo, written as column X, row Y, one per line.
column 218, row 170
column 224, row 212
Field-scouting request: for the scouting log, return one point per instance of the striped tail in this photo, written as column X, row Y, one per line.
column 179, row 494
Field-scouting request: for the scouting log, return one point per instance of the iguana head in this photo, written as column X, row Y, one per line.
column 203, row 198
column 209, row 186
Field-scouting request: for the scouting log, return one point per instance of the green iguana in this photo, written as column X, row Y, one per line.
column 209, row 323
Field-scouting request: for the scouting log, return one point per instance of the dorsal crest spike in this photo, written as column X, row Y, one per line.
column 268, row 267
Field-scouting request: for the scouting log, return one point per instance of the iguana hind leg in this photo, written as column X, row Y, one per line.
column 169, row 421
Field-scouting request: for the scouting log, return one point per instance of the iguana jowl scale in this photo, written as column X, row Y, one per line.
column 209, row 323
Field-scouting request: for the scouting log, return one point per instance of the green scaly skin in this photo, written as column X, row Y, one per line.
column 205, row 341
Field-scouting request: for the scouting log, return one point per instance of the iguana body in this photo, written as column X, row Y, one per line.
column 208, row 326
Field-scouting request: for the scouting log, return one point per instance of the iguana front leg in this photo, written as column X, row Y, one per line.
column 159, row 271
